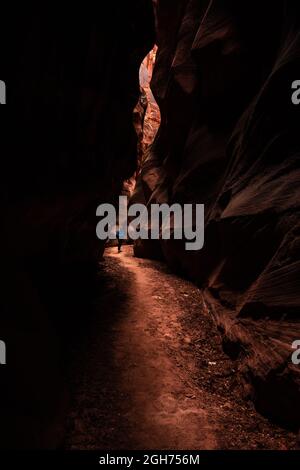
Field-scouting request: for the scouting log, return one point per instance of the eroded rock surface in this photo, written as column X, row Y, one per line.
column 229, row 138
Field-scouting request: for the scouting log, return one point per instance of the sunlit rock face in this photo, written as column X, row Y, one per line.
column 146, row 118
column 73, row 81
column 146, row 113
column 229, row 138
column 152, row 114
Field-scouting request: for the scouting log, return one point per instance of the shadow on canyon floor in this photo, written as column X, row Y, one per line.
column 149, row 370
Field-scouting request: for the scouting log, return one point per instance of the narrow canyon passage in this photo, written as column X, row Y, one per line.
column 151, row 372
column 176, row 106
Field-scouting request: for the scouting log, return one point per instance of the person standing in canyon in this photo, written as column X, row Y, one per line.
column 119, row 235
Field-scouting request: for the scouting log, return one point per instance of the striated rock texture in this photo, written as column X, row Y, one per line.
column 229, row 138
column 68, row 143
column 152, row 115
column 146, row 114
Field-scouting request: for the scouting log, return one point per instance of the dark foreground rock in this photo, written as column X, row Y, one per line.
column 67, row 144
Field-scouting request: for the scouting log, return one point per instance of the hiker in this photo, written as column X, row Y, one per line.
column 120, row 234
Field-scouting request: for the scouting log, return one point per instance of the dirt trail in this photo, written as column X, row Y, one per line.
column 151, row 372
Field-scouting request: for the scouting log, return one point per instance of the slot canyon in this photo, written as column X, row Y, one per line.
column 166, row 101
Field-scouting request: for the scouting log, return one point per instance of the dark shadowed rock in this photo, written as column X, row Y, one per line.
column 229, row 138
column 72, row 78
